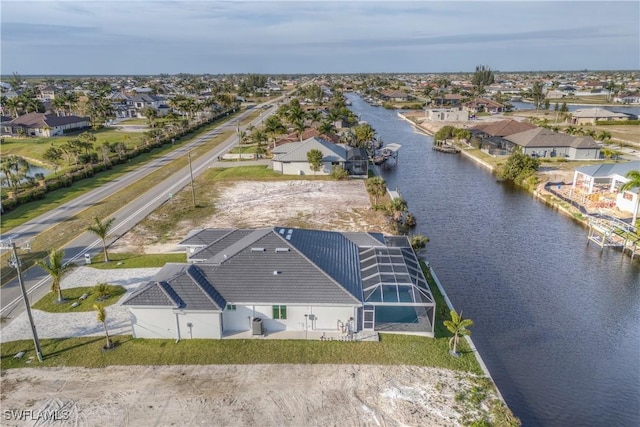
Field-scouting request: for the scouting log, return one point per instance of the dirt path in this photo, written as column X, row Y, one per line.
column 237, row 395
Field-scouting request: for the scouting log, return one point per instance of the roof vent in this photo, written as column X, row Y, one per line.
column 258, row 249
column 276, row 272
column 282, row 249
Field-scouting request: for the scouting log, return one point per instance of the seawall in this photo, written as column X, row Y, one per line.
column 467, row 337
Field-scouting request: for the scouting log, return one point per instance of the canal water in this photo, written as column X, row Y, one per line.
column 557, row 321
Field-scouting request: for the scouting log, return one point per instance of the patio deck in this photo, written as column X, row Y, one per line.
column 302, row 335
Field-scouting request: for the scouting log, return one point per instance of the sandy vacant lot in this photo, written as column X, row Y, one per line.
column 237, row 395
column 256, row 395
column 326, row 205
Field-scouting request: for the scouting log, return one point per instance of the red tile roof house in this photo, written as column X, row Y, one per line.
column 47, row 125
column 484, row 104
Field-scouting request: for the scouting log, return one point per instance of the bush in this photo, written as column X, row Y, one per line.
column 338, row 172
column 102, row 291
column 617, row 123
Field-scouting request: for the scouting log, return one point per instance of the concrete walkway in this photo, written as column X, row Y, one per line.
column 82, row 324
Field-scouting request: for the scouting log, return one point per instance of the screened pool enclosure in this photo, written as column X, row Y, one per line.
column 396, row 294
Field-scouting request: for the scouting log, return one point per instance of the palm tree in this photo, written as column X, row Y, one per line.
column 314, row 116
column 458, row 327
column 634, row 182
column 398, row 206
column 273, row 126
column 299, row 128
column 376, row 187
column 102, row 318
column 101, row 229
column 56, row 268
column 326, row 127
column 15, row 169
column 13, row 105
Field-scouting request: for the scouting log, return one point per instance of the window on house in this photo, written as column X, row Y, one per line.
column 280, row 312
column 231, row 307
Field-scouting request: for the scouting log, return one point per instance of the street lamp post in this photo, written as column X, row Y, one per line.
column 15, row 262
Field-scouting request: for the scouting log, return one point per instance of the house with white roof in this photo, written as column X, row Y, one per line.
column 609, row 178
column 263, row 281
column 291, row 158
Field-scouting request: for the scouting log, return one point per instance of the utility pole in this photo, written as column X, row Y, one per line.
column 15, row 262
column 193, row 189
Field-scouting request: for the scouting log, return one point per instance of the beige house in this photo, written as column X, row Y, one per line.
column 589, row 116
column 47, row 125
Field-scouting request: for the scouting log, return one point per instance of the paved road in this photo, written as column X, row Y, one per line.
column 37, row 283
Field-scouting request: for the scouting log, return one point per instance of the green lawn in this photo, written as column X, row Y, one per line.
column 255, row 173
column 128, row 260
column 58, row 235
column 33, row 148
column 391, row 350
column 49, row 303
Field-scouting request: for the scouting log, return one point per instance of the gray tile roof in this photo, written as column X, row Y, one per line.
column 281, row 266
column 297, row 151
column 332, row 252
column 180, row 286
column 271, row 270
column 218, row 244
column 204, row 237
column 541, row 137
column 609, row 169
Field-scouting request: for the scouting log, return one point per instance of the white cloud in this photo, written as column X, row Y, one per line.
column 198, row 33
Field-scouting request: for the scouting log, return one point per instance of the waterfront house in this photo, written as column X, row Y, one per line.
column 542, row 142
column 291, row 158
column 448, row 99
column 494, row 133
column 479, row 105
column 46, row 125
column 255, row 281
column 606, row 179
column 446, row 114
column 627, row 98
column 588, row 116
column 394, row 95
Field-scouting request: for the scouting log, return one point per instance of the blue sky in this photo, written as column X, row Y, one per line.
column 152, row 37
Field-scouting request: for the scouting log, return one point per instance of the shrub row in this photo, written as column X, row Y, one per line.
column 617, row 122
column 80, row 172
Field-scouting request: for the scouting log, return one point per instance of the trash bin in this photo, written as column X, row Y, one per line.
column 87, row 259
column 258, row 328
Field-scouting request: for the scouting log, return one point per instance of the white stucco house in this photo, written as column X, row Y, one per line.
column 609, row 178
column 285, row 280
column 291, row 158
column 446, row 115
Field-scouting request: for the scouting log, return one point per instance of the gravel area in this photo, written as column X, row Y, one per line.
column 82, row 324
